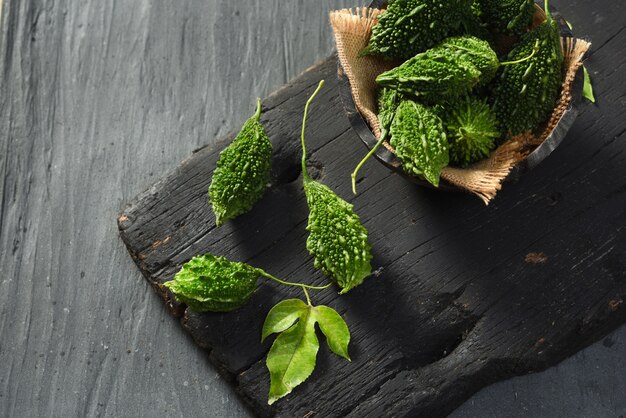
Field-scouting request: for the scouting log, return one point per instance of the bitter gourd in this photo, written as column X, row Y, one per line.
column 450, row 69
column 511, row 17
column 432, row 75
column 409, row 27
column 337, row 240
column 526, row 94
column 215, row 284
column 471, row 128
column 476, row 51
column 419, row 140
column 243, row 171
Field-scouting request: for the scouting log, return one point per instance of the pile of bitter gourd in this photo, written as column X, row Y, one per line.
column 454, row 99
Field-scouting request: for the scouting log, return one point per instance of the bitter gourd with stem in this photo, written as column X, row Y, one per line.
column 450, row 69
column 242, row 172
column 419, row 140
column 526, row 94
column 337, row 240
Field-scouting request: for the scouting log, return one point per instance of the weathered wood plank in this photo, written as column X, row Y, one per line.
column 98, row 99
column 457, row 303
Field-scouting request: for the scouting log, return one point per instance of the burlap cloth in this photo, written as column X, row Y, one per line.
column 352, row 29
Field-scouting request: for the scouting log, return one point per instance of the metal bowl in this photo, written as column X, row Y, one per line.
column 389, row 159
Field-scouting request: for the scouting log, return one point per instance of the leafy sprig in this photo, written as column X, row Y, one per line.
column 292, row 358
column 215, row 284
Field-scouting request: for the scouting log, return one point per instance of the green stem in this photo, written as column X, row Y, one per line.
column 257, row 115
column 305, row 173
column 383, row 136
column 535, row 50
column 308, row 299
column 303, row 286
column 546, row 9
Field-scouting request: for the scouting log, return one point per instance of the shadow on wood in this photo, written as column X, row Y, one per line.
column 456, row 303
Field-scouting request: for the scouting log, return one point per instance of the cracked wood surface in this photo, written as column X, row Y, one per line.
column 98, row 99
column 457, row 302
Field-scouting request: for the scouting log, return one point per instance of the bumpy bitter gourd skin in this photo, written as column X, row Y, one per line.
column 450, row 69
column 409, row 27
column 511, row 17
column 475, row 50
column 419, row 140
column 208, row 283
column 337, row 239
column 388, row 101
column 525, row 94
column 471, row 128
column 243, row 171
column 432, row 75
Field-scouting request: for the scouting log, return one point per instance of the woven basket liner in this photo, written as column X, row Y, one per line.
column 352, row 29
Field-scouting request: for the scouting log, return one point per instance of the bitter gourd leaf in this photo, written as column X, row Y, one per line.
column 419, row 140
column 409, row 27
column 588, row 87
column 292, row 357
column 337, row 240
column 526, row 94
column 209, row 283
column 242, row 172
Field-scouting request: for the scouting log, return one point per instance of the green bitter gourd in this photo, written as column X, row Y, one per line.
column 511, row 17
column 409, row 27
column 432, row 75
column 471, row 128
column 208, row 283
column 419, row 140
column 450, row 69
column 337, row 240
column 242, row 172
column 526, row 94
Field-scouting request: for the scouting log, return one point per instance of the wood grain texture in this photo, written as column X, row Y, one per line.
column 97, row 100
column 463, row 295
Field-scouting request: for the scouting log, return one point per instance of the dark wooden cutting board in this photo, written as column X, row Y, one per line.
column 464, row 295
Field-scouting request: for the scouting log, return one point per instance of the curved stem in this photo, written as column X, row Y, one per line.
column 305, row 173
column 257, row 115
column 535, row 50
column 303, row 286
column 308, row 299
column 383, row 136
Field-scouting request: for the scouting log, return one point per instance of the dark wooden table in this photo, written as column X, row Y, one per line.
column 100, row 99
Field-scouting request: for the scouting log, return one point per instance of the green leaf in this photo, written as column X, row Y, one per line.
column 588, row 88
column 335, row 329
column 291, row 359
column 282, row 316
